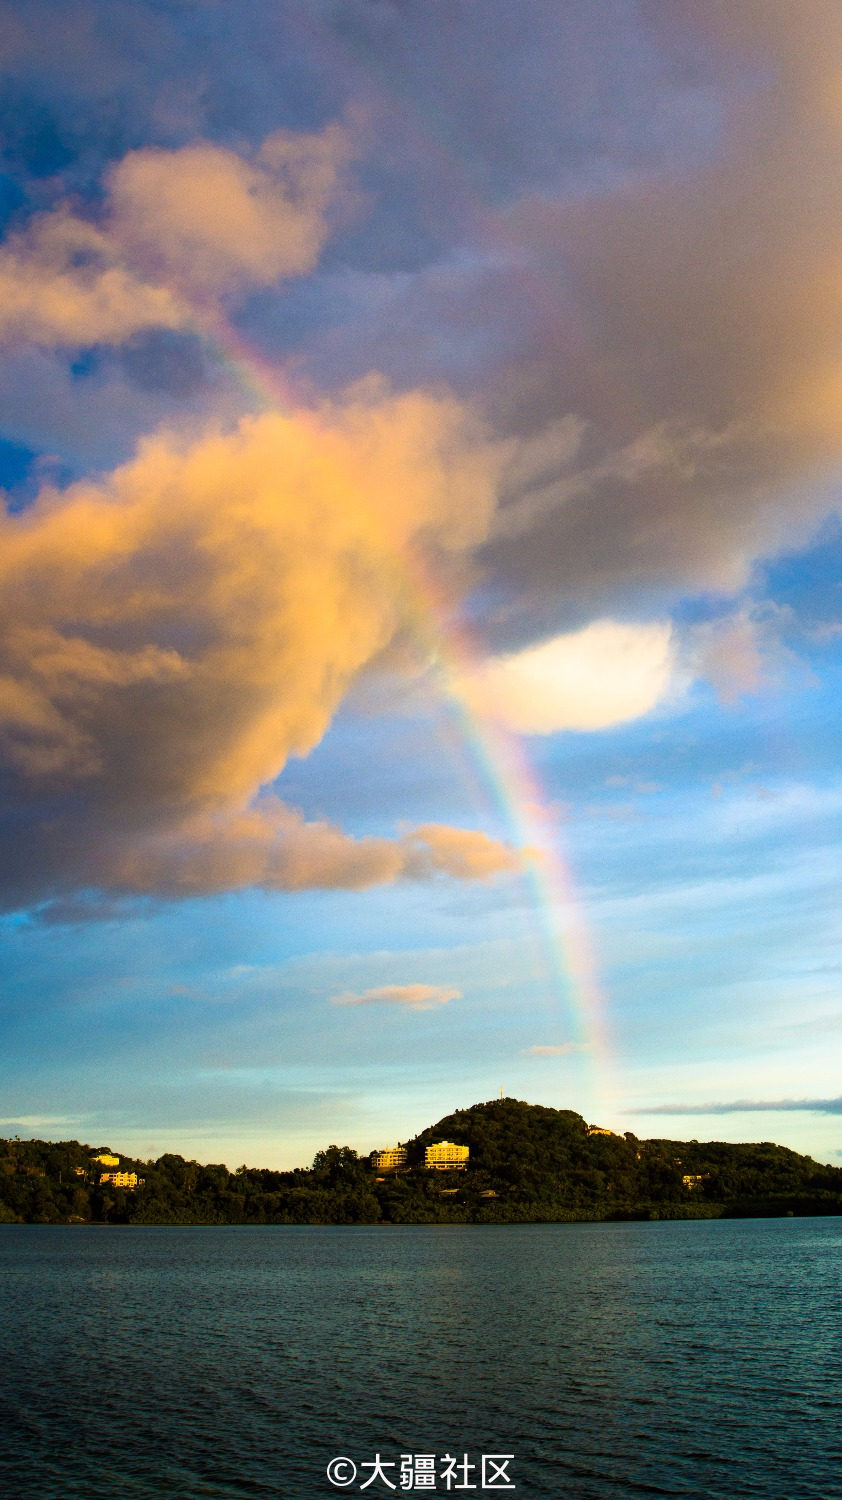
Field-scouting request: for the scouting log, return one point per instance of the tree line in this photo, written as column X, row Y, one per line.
column 527, row 1164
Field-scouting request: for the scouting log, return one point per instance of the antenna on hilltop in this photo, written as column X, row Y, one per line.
column 501, row 1090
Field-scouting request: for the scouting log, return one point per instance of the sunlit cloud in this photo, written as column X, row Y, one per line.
column 271, row 846
column 242, row 612
column 565, row 1049
column 468, row 854
column 409, row 996
column 210, row 220
column 173, row 633
column 61, row 283
column 180, row 230
column 606, row 674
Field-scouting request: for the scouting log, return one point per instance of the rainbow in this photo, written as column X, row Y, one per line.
column 578, row 1005
column 533, row 826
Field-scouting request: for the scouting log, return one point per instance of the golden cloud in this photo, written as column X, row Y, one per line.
column 172, row 633
column 410, row 996
column 234, row 586
column 180, row 230
column 60, row 284
column 271, row 846
column 467, row 854
column 207, row 220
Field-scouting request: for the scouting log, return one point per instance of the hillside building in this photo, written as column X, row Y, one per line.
column 446, row 1156
column 122, row 1179
column 390, row 1159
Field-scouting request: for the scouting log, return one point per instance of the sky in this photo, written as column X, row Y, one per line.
column 420, row 612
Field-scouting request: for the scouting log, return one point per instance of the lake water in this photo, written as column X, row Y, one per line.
column 612, row 1360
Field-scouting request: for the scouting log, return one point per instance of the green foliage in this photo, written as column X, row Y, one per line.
column 527, row 1164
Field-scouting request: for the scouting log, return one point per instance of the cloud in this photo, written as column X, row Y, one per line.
column 691, row 321
column 272, row 846
column 466, row 854
column 60, row 283
column 35, row 1122
column 234, row 586
column 180, row 230
column 638, row 278
column 210, row 221
column 740, row 653
column 605, row 674
column 650, row 320
column 172, row 633
column 644, row 298
column 747, row 1106
column 651, row 310
column 412, row 996
column 564, row 1050
column 89, row 423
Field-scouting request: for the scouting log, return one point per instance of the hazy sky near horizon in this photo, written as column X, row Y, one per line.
column 420, row 610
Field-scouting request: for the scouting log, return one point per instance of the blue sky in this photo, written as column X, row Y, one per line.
column 421, row 626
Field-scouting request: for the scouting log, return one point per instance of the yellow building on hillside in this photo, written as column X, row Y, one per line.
column 446, row 1156
column 390, row 1159
column 105, row 1159
column 122, row 1179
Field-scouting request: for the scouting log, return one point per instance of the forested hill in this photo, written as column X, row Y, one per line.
column 527, row 1164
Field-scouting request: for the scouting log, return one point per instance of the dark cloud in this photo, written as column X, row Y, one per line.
column 33, row 139
column 514, row 98
column 682, row 306
column 102, row 76
column 165, row 360
column 690, row 321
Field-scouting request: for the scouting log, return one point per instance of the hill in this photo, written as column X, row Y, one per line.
column 527, row 1164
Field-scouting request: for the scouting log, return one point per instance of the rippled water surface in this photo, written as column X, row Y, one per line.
column 613, row 1360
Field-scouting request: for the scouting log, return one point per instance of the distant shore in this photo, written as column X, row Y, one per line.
column 501, row 1162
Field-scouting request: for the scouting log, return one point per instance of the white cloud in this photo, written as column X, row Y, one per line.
column 606, row 674
column 37, row 1122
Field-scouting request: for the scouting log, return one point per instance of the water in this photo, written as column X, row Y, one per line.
column 613, row 1360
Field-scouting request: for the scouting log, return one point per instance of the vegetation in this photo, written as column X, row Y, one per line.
column 528, row 1164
